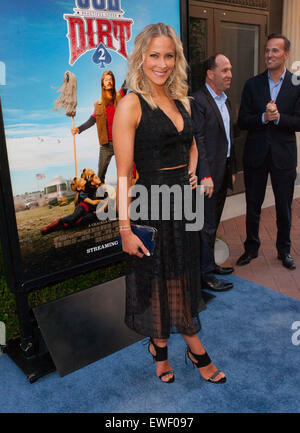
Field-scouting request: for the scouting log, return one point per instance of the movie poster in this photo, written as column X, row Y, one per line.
column 46, row 43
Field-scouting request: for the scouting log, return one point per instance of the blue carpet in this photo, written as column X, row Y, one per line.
column 247, row 332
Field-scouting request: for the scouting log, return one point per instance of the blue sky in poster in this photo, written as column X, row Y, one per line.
column 36, row 55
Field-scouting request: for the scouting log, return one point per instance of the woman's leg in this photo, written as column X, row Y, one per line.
column 161, row 366
column 195, row 345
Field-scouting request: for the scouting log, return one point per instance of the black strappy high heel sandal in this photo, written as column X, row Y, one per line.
column 203, row 361
column 161, row 355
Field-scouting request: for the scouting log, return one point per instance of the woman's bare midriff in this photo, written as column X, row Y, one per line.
column 172, row 168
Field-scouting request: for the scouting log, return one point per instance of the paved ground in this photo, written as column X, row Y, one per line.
column 266, row 269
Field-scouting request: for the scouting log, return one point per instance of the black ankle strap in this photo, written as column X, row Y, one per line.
column 202, row 360
column 161, row 352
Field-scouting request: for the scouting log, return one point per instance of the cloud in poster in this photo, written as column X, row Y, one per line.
column 31, row 130
column 40, row 152
column 15, row 114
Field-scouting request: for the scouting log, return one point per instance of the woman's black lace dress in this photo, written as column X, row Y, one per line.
column 163, row 292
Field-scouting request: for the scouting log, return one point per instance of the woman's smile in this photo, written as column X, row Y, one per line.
column 159, row 60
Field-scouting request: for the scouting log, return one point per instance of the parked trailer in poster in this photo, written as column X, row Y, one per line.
column 53, row 77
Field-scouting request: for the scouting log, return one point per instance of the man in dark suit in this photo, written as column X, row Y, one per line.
column 211, row 116
column 270, row 111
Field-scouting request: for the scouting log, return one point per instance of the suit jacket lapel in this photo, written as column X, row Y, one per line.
column 284, row 87
column 215, row 107
column 266, row 87
column 228, row 105
column 230, row 120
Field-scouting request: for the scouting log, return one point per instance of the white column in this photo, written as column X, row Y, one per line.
column 291, row 29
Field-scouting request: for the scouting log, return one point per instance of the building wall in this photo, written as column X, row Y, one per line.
column 283, row 17
column 290, row 27
column 275, row 8
column 275, row 19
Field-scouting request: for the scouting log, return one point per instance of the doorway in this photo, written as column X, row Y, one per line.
column 240, row 35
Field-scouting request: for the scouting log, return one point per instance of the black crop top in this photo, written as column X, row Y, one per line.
column 158, row 144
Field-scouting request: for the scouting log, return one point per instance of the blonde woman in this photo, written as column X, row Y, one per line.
column 152, row 127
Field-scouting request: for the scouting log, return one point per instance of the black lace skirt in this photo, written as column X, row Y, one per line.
column 163, row 292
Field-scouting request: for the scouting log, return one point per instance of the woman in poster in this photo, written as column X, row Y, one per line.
column 152, row 127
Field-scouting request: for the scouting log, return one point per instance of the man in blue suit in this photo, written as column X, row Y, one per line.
column 270, row 112
column 212, row 119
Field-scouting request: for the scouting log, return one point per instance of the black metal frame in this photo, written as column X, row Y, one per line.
column 25, row 350
column 184, row 26
column 9, row 231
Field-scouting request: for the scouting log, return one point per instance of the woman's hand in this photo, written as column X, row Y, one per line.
column 193, row 180
column 193, row 164
column 131, row 244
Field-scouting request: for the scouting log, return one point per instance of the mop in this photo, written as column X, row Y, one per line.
column 68, row 102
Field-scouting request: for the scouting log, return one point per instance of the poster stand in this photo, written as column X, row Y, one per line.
column 28, row 351
column 24, row 350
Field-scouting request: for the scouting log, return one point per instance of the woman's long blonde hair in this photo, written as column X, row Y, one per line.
column 176, row 86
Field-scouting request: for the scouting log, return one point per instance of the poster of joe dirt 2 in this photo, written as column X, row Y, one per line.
column 54, row 73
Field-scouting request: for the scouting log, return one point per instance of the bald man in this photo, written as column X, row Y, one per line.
column 216, row 165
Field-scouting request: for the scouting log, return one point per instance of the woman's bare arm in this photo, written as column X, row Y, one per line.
column 126, row 120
